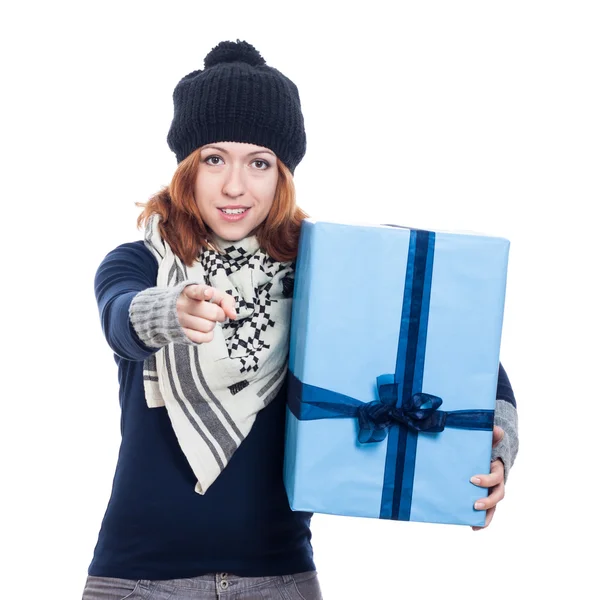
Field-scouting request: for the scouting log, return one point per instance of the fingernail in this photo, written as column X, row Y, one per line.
column 475, row 480
column 479, row 505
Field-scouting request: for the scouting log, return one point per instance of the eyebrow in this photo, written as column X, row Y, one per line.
column 265, row 151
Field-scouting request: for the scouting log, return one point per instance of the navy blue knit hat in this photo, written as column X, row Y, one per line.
column 238, row 98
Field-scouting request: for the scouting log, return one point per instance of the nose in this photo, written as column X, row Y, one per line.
column 234, row 185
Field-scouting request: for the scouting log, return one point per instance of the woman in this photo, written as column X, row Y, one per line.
column 197, row 315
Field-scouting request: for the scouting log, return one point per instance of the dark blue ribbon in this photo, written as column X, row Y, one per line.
column 401, row 400
column 419, row 412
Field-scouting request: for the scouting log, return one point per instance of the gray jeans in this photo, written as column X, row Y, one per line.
column 222, row 586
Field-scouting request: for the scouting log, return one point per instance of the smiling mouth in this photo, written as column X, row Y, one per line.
column 233, row 211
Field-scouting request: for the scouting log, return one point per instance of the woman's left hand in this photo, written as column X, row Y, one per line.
column 494, row 482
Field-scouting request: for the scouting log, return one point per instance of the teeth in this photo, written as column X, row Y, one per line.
column 233, row 211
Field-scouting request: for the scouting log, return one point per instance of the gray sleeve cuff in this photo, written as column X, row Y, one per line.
column 506, row 417
column 153, row 315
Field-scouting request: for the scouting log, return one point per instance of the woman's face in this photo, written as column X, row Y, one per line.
column 235, row 187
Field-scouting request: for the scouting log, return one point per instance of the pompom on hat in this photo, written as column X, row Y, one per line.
column 238, row 98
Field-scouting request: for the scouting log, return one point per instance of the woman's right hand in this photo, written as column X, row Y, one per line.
column 200, row 308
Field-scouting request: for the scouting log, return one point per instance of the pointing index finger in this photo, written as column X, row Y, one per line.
column 226, row 302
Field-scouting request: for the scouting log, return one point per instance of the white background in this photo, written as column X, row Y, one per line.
column 457, row 115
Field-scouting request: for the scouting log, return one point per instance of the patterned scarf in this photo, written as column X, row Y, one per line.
column 213, row 391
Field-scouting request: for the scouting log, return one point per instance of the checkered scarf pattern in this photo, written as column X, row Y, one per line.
column 213, row 391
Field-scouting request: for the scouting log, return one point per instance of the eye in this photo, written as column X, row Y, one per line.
column 260, row 164
column 213, row 160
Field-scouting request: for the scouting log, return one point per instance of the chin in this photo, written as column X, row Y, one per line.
column 231, row 234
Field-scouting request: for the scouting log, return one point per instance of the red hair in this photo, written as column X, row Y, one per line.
column 182, row 227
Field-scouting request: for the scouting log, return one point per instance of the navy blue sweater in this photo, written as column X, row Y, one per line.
column 156, row 526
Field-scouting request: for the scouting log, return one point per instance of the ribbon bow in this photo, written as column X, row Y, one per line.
column 418, row 412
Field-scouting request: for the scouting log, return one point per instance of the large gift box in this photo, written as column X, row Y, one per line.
column 393, row 368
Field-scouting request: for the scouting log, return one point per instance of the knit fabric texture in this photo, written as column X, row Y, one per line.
column 164, row 327
column 505, row 416
column 238, row 98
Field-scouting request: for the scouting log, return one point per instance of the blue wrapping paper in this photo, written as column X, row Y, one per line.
column 394, row 356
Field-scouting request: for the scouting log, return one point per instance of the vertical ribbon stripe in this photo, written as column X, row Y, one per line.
column 402, row 447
